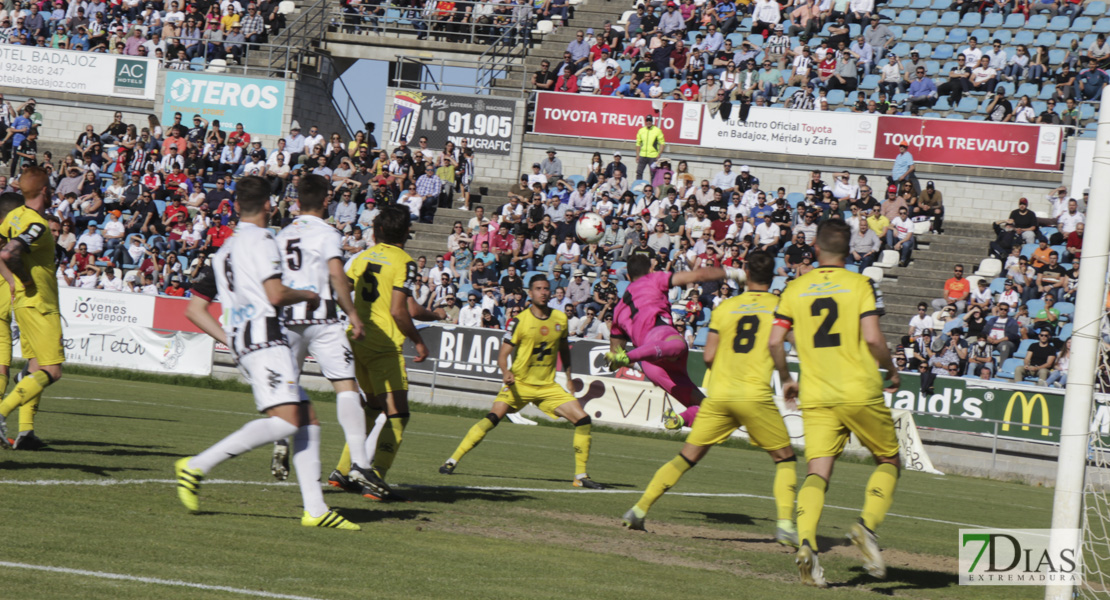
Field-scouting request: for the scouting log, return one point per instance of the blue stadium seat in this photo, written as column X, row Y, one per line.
column 1023, row 37
column 914, row 34
column 1003, row 35
column 888, row 14
column 1027, row 250
column 1064, row 41
column 836, row 96
column 1081, row 24
column 920, row 4
column 931, row 66
column 1039, row 107
column 935, row 35
column 701, row 337
column 1086, row 111
column 1014, row 21
column 1059, row 23
column 941, row 4
column 977, row 118
column 971, row 19
column 956, row 36
column 669, row 84
column 898, row 3
column 795, row 198
column 1006, row 85
column 928, row 18
column 942, row 104
column 869, row 82
column 981, row 34
column 196, row 64
column 1036, row 22
column 1046, row 38
column 778, row 283
column 1006, row 371
column 992, row 20
column 735, row 38
column 1065, row 332
column 998, row 285
column 1023, row 349
column 1027, row 89
column 943, row 52
column 949, row 19
column 1056, row 57
column 1089, row 39
column 854, row 30
column 967, row 105
column 1035, row 305
column 924, row 51
column 527, row 276
column 901, row 49
column 897, row 31
column 1065, row 308
column 1094, row 9
column 954, row 117
column 906, row 17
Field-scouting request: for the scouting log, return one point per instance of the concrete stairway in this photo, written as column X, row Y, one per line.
column 431, row 239
column 923, row 280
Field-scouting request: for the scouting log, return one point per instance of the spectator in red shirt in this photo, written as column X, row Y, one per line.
column 608, row 84
column 567, row 82
column 175, row 183
column 721, row 225
column 1074, row 247
column 172, row 139
column 217, row 235
column 81, row 259
column 678, row 59
column 689, row 89
column 175, row 212
column 174, row 288
column 239, row 137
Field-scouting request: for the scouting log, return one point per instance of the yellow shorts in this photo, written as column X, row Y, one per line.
column 380, row 372
column 546, row 397
column 717, row 419
column 40, row 335
column 6, row 340
column 827, row 429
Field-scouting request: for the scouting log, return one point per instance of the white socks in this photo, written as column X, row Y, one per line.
column 372, row 438
column 258, row 432
column 348, row 408
column 306, row 460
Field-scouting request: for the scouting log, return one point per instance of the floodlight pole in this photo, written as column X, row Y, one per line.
column 1067, row 505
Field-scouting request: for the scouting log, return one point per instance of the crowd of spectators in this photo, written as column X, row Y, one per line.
column 174, row 31
column 1013, row 319
column 797, row 53
column 455, row 21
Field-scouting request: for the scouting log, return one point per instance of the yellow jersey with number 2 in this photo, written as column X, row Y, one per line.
column 742, row 366
column 374, row 274
column 536, row 344
column 824, row 307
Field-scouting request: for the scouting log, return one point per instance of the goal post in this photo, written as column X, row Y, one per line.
column 1067, row 505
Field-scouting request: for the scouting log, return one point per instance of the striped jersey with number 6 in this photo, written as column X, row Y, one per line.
column 536, row 344
column 742, row 366
column 824, row 307
column 375, row 273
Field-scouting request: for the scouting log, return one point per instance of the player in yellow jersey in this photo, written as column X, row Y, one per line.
column 834, row 314
column 740, row 395
column 29, row 257
column 539, row 336
column 9, row 202
column 383, row 278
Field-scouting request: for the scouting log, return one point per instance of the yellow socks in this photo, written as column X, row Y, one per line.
column 390, row 442
column 665, row 478
column 880, row 495
column 582, row 445
column 27, row 413
column 27, row 390
column 476, row 434
column 811, row 499
column 785, row 488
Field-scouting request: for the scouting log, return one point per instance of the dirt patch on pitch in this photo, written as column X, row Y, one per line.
column 657, row 546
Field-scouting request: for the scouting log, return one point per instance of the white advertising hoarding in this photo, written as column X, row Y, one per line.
column 799, row 132
column 86, row 73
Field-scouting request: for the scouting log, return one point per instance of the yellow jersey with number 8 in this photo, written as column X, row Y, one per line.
column 375, row 273
column 536, row 344
column 824, row 307
column 742, row 366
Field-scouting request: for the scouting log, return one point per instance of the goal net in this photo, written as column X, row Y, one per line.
column 1095, row 525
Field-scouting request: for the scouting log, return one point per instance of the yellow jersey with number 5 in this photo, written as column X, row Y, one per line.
column 742, row 366
column 31, row 229
column 375, row 273
column 536, row 343
column 824, row 307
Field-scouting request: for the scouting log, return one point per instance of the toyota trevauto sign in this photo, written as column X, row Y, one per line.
column 256, row 103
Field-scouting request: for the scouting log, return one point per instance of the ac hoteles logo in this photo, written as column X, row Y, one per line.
column 131, row 76
column 1018, row 557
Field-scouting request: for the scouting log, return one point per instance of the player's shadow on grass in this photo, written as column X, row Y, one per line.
column 491, row 476
column 729, row 518
column 119, row 452
column 901, row 578
column 110, row 416
column 109, row 444
column 39, row 466
column 363, row 516
column 452, row 494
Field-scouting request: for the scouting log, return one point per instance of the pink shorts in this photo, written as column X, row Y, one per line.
column 670, row 373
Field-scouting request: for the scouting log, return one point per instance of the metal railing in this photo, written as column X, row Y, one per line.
column 451, row 26
column 487, row 74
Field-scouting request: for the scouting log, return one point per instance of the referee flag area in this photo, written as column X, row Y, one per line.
column 96, row 516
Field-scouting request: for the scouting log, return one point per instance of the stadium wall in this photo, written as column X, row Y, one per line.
column 970, row 195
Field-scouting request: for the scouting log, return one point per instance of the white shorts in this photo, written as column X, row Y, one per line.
column 328, row 344
column 272, row 376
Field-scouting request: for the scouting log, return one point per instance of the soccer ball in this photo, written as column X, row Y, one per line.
column 590, row 227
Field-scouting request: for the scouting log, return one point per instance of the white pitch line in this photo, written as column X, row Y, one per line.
column 153, row 580
column 108, row 482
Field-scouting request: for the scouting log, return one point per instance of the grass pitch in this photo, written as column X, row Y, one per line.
column 507, row 524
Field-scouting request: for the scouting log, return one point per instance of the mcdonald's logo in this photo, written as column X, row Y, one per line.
column 1027, row 406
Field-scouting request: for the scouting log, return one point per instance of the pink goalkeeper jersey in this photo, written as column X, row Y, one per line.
column 643, row 307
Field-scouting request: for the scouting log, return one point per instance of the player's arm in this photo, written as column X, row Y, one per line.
column 399, row 310
column 706, row 274
column 12, row 254
column 710, row 351
column 876, row 341
column 507, row 376
column 420, row 313
column 342, row 286
column 280, row 295
column 777, row 346
column 197, row 313
column 564, row 355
